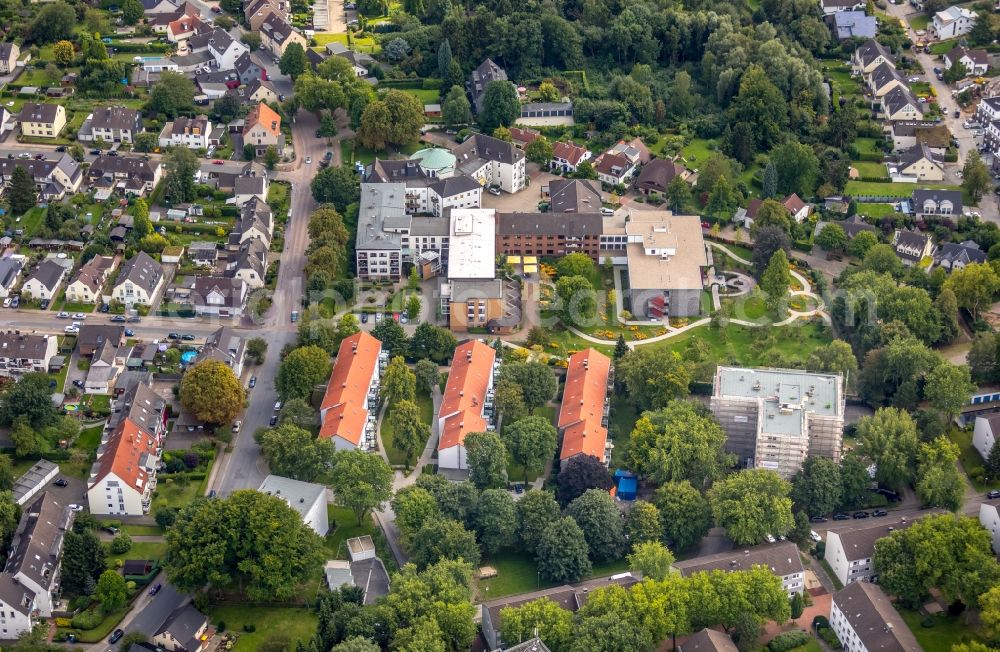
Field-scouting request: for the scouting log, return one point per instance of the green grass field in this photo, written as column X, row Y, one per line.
column 946, row 632
column 623, row 418
column 155, row 550
column 425, row 95
column 891, row 189
column 875, row 210
column 697, row 151
column 516, row 573
column 294, row 624
column 870, row 169
column 866, row 146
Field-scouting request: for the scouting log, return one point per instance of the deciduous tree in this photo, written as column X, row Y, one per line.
column 293, row 61
column 817, row 487
column 398, row 382
column 535, row 511
column 542, row 618
column 501, row 106
column 596, row 514
column 562, row 552
column 531, row 442
column 361, row 481
column 171, row 95
column 889, row 439
column 494, row 516
column 832, row 237
column 536, row 380
column 22, row 195
column 487, row 458
column 751, row 504
column 443, row 540
column 578, row 474
column 301, row 371
column 652, row 559
column 293, row 452
column 939, row 483
column 410, row 434
column 679, row 442
column 111, row 591
column 654, row 376
column 212, row 392
column 974, row 286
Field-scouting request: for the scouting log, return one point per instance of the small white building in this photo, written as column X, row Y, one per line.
column 307, row 498
column 989, row 518
column 984, row 434
column 952, row 22
column 864, row 620
column 850, row 552
column 44, row 281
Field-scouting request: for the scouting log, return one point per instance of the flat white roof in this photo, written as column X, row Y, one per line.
column 472, row 243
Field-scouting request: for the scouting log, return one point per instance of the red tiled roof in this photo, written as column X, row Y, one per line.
column 608, row 162
column 582, row 406
column 123, row 455
column 265, row 116
column 344, row 410
column 569, row 152
column 525, row 136
column 465, row 393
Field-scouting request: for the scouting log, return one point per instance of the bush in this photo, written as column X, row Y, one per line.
column 221, row 626
column 788, row 641
column 88, row 619
column 830, row 637
column 121, row 544
column 79, row 602
column 249, row 628
column 927, row 622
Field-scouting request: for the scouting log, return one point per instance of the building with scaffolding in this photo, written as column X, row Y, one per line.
column 775, row 418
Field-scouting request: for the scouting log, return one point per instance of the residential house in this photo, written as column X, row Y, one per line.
column 855, row 225
column 976, row 62
column 185, row 630
column 42, row 120
column 259, row 12
column 912, row 247
column 106, row 364
column 831, row 7
column 86, row 284
column 574, row 196
column 261, row 91
column 10, row 273
column 256, row 221
column 22, row 352
column 262, row 129
column 900, row 104
column 112, row 124
column 248, row 189
column 203, row 253
column 781, row 558
column 937, row 202
column 523, row 137
column 92, row 336
column 583, row 414
column 656, row 176
column 53, row 178
column 984, row 434
column 18, row 605
column 139, row 281
column 225, row 50
column 124, row 476
column 570, row 597
column 870, row 55
column 246, row 69
column 852, row 24
column 216, row 83
column 864, row 620
column 276, row 34
column 185, row 27
column 9, row 52
column 883, row 79
column 349, row 407
column 488, row 71
column 44, row 281
column 307, row 498
column 153, row 7
column 35, row 553
column 219, row 296
column 906, row 134
column 566, row 157
column 7, row 121
column 492, row 162
column 130, row 175
column 920, row 163
column 956, row 255
column 952, row 23
column 614, row 169
column 988, row 111
column 250, row 264
column 850, row 552
column 192, row 133
column 708, row 640
column 362, row 63
column 226, row 346
column 424, row 193
column 989, row 518
column 467, row 403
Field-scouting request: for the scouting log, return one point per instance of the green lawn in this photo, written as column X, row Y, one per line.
column 739, row 344
column 811, row 646
column 946, row 632
column 516, row 573
column 867, row 146
column 943, row 47
column 697, row 151
column 891, row 189
column 293, row 623
column 876, row 210
column 30, row 221
column 89, row 439
column 155, row 550
column 919, row 21
column 870, row 169
column 623, row 418
column 175, row 490
column 425, row 95
column 970, row 459
column 396, row 456
column 344, row 526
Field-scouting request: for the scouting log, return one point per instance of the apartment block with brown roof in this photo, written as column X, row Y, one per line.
column 549, row 234
column 86, row 284
column 864, row 620
column 583, row 415
column 781, row 558
column 467, row 404
column 347, row 413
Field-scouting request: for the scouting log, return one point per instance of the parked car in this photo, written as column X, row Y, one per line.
column 295, row 316
column 364, row 318
column 6, row 302
column 173, row 336
column 277, row 405
column 63, row 315
column 818, row 519
column 134, row 319
column 880, row 512
column 75, row 508
column 860, row 514
column 78, row 383
column 116, row 636
column 61, row 482
column 253, row 382
column 378, row 317
column 79, row 315
column 995, row 493
column 493, row 191
column 71, row 330
column 815, row 536
column 95, row 152
column 273, row 421
column 237, row 425
column 118, row 318
column 840, row 516
column 309, row 160
column 153, row 590
column 187, row 337
column 110, row 529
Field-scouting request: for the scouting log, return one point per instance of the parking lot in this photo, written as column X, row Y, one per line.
column 525, row 201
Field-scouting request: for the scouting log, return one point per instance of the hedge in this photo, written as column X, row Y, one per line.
column 875, row 179
column 788, row 641
column 870, row 157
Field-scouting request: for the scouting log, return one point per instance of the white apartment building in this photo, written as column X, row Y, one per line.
column 989, row 518
column 850, row 552
column 984, row 434
column 864, row 620
column 192, row 133
column 36, row 550
column 781, row 558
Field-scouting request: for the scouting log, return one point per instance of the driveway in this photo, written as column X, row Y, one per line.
column 525, row 201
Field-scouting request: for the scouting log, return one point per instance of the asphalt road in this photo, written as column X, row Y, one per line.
column 148, row 613
column 243, row 467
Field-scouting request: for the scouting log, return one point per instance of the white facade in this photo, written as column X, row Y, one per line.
column 17, row 603
column 845, row 568
column 195, row 136
column 989, row 518
column 226, row 58
column 453, row 457
column 130, row 294
column 308, row 499
column 114, row 496
column 952, row 22
column 21, row 354
column 38, row 290
column 983, row 437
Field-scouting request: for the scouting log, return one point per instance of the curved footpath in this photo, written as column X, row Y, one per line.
column 794, row 315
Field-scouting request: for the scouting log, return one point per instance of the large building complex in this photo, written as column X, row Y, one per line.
column 467, row 404
column 583, row 415
column 775, row 418
column 348, row 410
